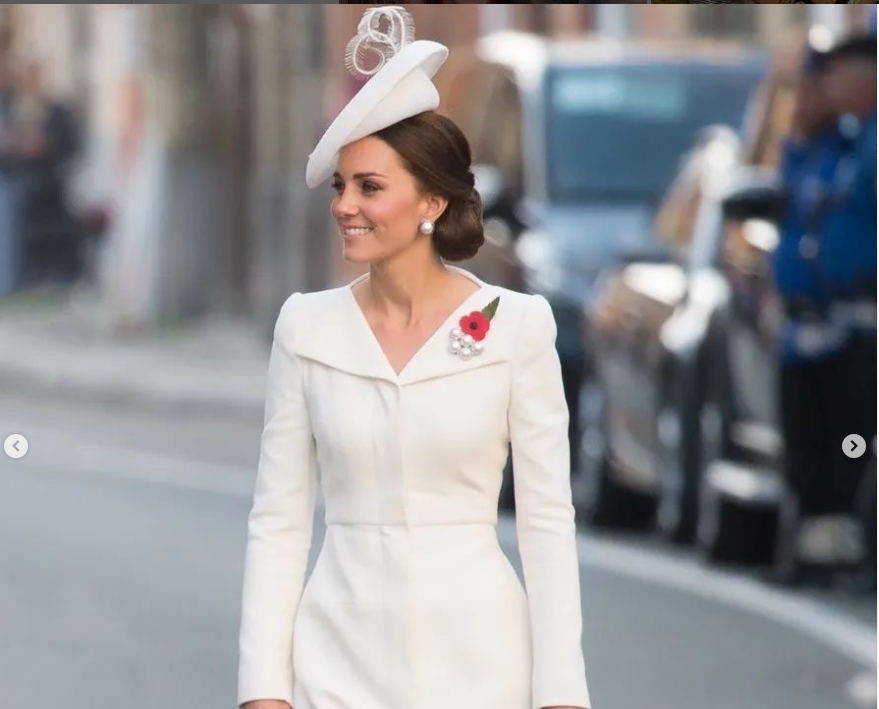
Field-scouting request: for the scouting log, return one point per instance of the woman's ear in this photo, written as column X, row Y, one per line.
column 435, row 207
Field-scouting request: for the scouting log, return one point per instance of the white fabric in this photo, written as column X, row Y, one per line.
column 412, row 604
column 402, row 88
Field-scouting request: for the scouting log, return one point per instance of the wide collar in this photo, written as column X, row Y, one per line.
column 331, row 328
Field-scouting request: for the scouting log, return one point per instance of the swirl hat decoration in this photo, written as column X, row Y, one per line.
column 397, row 87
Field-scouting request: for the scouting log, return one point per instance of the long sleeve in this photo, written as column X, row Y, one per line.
column 545, row 527
column 279, row 526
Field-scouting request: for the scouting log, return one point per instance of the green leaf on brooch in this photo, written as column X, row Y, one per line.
column 490, row 309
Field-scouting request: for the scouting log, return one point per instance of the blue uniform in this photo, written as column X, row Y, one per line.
column 827, row 249
column 847, row 256
column 806, row 168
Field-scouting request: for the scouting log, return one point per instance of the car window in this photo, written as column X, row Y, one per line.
column 618, row 133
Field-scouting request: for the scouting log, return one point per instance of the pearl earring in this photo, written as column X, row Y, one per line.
column 426, row 227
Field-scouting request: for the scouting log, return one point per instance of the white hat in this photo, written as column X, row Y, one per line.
column 400, row 86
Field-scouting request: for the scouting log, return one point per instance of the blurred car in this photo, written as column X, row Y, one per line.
column 685, row 365
column 574, row 143
column 694, row 339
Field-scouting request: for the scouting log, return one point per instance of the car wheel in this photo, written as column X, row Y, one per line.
column 728, row 531
column 786, row 569
column 721, row 527
column 718, row 531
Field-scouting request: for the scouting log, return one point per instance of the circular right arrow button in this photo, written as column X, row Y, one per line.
column 854, row 446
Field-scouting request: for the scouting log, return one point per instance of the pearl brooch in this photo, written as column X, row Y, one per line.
column 465, row 340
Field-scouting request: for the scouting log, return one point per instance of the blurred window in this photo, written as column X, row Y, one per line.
column 619, row 133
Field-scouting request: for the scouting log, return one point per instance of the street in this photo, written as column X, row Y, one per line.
column 121, row 575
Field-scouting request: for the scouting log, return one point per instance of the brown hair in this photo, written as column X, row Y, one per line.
column 436, row 152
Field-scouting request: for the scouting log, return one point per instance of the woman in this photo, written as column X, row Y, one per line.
column 404, row 389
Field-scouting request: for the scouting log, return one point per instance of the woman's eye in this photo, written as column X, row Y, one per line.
column 367, row 186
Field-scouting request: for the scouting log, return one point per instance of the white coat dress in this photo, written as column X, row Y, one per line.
column 412, row 604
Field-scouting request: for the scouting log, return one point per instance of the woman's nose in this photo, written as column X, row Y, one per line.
column 345, row 206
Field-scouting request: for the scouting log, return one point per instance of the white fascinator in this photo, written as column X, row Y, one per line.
column 397, row 86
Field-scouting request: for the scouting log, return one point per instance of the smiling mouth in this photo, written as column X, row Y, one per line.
column 358, row 231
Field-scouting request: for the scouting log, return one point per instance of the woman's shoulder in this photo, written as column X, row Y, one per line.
column 302, row 308
column 528, row 306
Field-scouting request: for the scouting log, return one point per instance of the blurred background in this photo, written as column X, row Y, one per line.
column 685, row 186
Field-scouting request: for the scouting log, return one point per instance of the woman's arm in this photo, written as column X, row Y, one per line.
column 545, row 527
column 279, row 525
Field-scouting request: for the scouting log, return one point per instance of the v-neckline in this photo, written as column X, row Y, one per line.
column 371, row 333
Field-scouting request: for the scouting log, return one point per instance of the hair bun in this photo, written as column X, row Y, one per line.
column 433, row 149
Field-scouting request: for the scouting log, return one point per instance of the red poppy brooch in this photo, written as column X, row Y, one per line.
column 466, row 339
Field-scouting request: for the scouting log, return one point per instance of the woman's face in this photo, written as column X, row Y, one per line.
column 374, row 190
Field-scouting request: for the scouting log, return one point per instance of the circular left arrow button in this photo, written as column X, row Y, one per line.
column 15, row 445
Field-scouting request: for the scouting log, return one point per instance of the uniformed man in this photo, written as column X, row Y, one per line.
column 846, row 260
column 825, row 268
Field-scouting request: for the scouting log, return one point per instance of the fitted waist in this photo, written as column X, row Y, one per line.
column 422, row 553
column 392, row 571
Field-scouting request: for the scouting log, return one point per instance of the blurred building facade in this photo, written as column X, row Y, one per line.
column 200, row 119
